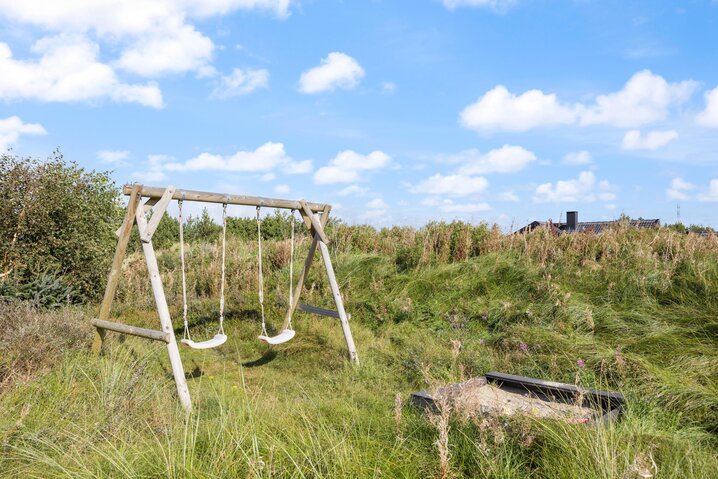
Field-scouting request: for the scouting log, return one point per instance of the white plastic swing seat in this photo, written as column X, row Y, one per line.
column 280, row 338
column 218, row 340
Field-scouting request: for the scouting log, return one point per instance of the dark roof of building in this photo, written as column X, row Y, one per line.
column 590, row 226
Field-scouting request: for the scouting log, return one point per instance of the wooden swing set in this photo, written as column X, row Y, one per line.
column 147, row 217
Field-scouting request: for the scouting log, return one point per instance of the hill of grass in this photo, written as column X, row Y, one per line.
column 429, row 306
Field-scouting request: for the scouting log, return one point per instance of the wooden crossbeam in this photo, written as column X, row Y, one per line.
column 220, row 198
column 131, row 330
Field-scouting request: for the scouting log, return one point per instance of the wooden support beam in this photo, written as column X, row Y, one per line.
column 113, row 279
column 158, row 211
column 166, row 323
column 131, row 330
column 220, row 198
column 343, row 318
column 316, row 226
column 305, row 271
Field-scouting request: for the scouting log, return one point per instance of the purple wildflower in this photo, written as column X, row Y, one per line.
column 581, row 363
column 524, row 347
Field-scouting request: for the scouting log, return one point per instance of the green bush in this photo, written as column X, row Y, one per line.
column 56, row 219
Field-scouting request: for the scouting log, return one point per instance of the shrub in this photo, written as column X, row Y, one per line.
column 58, row 219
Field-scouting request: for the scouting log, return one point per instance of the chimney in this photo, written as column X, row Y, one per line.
column 572, row 220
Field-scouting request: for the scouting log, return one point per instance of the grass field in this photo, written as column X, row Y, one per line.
column 640, row 308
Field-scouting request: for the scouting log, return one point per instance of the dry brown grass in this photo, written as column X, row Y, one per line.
column 32, row 340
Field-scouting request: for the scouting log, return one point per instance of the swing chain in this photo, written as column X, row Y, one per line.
column 260, row 276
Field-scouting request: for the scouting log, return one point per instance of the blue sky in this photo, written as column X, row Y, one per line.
column 396, row 112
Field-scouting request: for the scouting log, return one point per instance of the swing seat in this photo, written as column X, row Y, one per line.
column 218, row 340
column 282, row 337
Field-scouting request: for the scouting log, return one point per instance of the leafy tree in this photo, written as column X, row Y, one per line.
column 56, row 219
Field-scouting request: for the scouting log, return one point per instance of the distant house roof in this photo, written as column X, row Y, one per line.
column 590, row 226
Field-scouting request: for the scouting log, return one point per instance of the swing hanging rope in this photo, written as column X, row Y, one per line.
column 185, row 335
column 288, row 333
column 219, row 338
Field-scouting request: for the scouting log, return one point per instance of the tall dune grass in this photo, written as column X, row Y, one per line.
column 637, row 308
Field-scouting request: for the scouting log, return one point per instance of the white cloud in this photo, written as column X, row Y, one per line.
column 451, row 207
column 337, row 70
column 240, row 82
column 268, row 177
column 282, row 189
column 172, row 50
column 377, row 204
column 499, row 5
column 155, row 169
column 352, row 190
column 509, row 196
column 582, row 157
column 298, row 167
column 712, row 194
column 447, row 205
column 644, row 99
column 12, row 127
column 679, row 188
column 501, row 110
column 585, row 189
column 348, row 165
column 451, row 185
column 376, row 208
column 153, row 36
column 709, row 116
column 266, row 158
column 633, row 140
column 507, row 159
column 116, row 157
column 126, row 17
column 67, row 71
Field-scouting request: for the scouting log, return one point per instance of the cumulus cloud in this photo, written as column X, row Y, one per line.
column 501, row 110
column 154, row 173
column 337, row 70
column 240, row 82
column 711, row 195
column 585, row 189
column 376, row 208
column 266, row 158
column 12, row 127
column 451, row 185
column 448, row 205
column 633, row 140
column 348, row 166
column 582, row 157
column 645, row 98
column 172, row 50
column 155, row 35
column 507, row 159
column 67, row 71
column 115, row 157
column 153, row 38
column 679, row 189
column 709, row 116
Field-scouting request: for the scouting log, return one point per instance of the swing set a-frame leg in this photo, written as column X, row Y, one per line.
column 324, row 250
column 135, row 214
